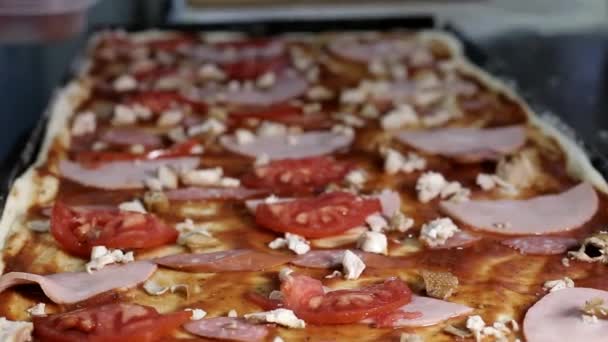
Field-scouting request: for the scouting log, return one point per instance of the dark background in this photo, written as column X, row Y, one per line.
column 563, row 73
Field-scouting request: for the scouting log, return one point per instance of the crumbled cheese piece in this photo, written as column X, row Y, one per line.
column 277, row 339
column 403, row 115
column 262, row 159
column 197, row 314
column 558, row 284
column 399, row 222
column 153, row 183
column 398, row 71
column 84, row 123
column 475, row 324
column 292, row 139
column 489, row 182
column 167, row 177
column 285, row 273
column 352, row 265
column 437, row 232
column 319, row 93
column 101, row 256
column 16, row 331
column 284, row 317
column 566, row 262
column 369, row 111
column 377, row 67
column 137, row 149
column 211, row 125
column 293, row 242
column 275, row 295
column 427, row 97
column 376, row 222
column 271, row 129
column 99, row 146
column 170, row 118
column 395, row 162
column 405, row 337
column 350, row 119
column 229, row 182
column 37, row 310
column 353, row 96
column 266, row 80
column 187, row 228
column 310, row 108
column 177, row 134
column 429, row 186
column 312, row 75
column 589, row 319
column 244, row 136
column 40, row 226
column 334, row 274
column 211, row 72
column 373, row 242
column 134, row 205
column 343, row 129
column 455, row 192
column 124, row 115
column 356, row 178
column 437, row 118
column 202, row 177
column 124, row 83
column 232, row 313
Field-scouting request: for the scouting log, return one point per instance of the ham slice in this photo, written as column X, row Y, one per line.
column 433, row 311
column 227, row 328
column 131, row 136
column 356, row 50
column 467, row 144
column 539, row 215
column 541, row 245
column 558, row 317
column 460, row 239
column 233, row 54
column 72, row 287
column 199, row 194
column 309, row 144
column 116, row 175
column 325, row 259
column 390, row 201
column 285, row 88
column 236, row 260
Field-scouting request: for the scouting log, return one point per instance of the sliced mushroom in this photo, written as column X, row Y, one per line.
column 593, row 249
column 595, row 307
column 439, row 285
column 520, row 169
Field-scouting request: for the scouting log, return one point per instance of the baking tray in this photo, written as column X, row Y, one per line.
column 26, row 150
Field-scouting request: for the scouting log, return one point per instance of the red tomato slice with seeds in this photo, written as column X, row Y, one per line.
column 78, row 231
column 325, row 215
column 297, row 175
column 307, row 298
column 248, row 69
column 111, row 322
column 286, row 114
column 160, row 100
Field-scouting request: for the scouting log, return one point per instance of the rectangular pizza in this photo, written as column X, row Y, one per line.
column 339, row 186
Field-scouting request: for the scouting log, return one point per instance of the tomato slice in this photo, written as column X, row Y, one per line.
column 172, row 43
column 78, row 231
column 111, row 322
column 284, row 113
column 263, row 302
column 160, row 100
column 297, row 175
column 254, row 67
column 306, row 297
column 93, row 158
column 325, row 215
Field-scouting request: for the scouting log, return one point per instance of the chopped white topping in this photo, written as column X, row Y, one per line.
column 428, row 80
column 284, row 317
column 197, row 314
column 437, row 232
column 376, row 222
column 403, row 115
column 124, row 83
column 356, row 178
column 177, row 134
column 353, row 96
column 261, row 159
column 589, row 319
column 101, row 256
column 137, row 149
column 350, row 119
column 211, row 125
column 455, row 192
column 395, row 162
column 170, row 118
column 232, row 313
column 399, row 222
column 292, row 139
column 489, row 182
column 377, row 67
column 270, row 129
column 373, row 242
column 210, row 72
column 84, row 123
column 229, row 182
column 369, row 111
column 558, row 284
column 437, row 118
column 188, row 228
column 285, row 273
column 244, row 136
column 167, row 177
column 566, row 262
column 429, row 186
column 476, row 324
column 15, row 331
column 134, row 205
column 343, row 129
column 334, row 274
column 277, row 339
column 153, row 183
column 293, row 242
column 313, row 107
column 197, row 149
column 425, row 98
column 37, row 310
column 352, row 265
column 202, row 177
column 275, row 295
column 40, row 226
column 99, row 146
column 266, row 80
column 398, row 71
column 124, row 115
column 319, row 93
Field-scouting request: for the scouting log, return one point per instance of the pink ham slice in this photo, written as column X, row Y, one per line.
column 227, row 328
column 558, row 317
column 326, row 259
column 118, row 175
column 467, row 144
column 131, row 136
column 72, row 287
column 460, row 239
column 366, row 51
column 539, row 215
column 309, row 144
column 541, row 245
column 199, row 194
column 222, row 55
column 236, row 260
column 433, row 311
